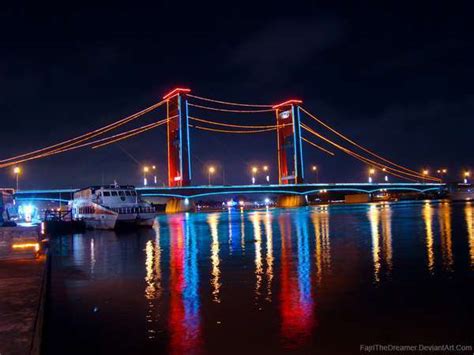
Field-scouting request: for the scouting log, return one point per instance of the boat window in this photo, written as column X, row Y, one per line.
column 106, row 193
column 128, row 193
column 122, row 193
column 114, row 193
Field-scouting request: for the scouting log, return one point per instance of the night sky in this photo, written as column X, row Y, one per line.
column 397, row 78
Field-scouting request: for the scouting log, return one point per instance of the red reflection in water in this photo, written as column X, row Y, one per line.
column 184, row 320
column 296, row 301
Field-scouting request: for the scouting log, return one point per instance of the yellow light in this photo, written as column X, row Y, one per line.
column 254, row 170
column 212, row 169
column 371, row 171
column 154, row 167
column 314, row 168
column 146, row 169
column 438, row 171
column 36, row 246
column 467, row 173
column 265, row 168
column 425, row 172
column 384, row 169
column 445, row 171
column 17, row 170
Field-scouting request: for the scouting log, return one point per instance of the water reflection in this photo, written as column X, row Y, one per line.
column 468, row 212
column 380, row 217
column 320, row 220
column 295, row 293
column 213, row 221
column 272, row 290
column 257, row 232
column 184, row 318
column 269, row 256
column 445, row 234
column 428, row 221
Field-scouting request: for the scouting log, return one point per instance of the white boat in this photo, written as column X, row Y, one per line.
column 106, row 207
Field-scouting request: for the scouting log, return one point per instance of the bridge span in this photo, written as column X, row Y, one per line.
column 203, row 192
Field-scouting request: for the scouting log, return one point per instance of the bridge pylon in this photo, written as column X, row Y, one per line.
column 290, row 148
column 179, row 149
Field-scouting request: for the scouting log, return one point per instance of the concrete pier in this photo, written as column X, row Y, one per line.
column 175, row 205
column 287, row 201
column 23, row 275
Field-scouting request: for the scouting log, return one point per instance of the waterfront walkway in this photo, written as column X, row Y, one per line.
column 22, row 284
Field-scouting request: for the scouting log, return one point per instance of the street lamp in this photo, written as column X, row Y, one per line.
column 210, row 171
column 155, row 179
column 386, row 176
column 17, row 172
column 254, row 173
column 371, row 172
column 425, row 174
column 267, row 177
column 314, row 168
column 146, row 169
column 466, row 175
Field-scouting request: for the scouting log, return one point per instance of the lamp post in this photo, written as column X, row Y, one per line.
column 254, row 173
column 315, row 169
column 386, row 176
column 17, row 172
column 466, row 176
column 371, row 173
column 210, row 171
column 425, row 174
column 146, row 169
column 267, row 177
column 155, row 178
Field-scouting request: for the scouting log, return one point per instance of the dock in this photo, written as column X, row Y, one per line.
column 23, row 276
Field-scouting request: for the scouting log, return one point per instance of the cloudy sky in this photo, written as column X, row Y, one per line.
column 394, row 76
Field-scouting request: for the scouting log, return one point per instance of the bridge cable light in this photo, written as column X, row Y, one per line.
column 229, row 110
column 88, row 135
column 354, row 143
column 227, row 102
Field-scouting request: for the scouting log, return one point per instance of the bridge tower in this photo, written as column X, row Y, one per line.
column 179, row 151
column 290, row 149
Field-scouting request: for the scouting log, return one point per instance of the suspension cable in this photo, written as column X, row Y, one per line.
column 89, row 135
column 359, row 157
column 116, row 137
column 232, row 131
column 355, row 144
column 230, row 110
column 230, row 125
column 318, row 146
column 226, row 102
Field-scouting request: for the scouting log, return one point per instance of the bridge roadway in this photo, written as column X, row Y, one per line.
column 200, row 192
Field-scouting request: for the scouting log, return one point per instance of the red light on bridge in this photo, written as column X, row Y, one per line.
column 287, row 103
column 176, row 91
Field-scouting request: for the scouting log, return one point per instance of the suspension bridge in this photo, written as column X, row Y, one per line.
column 293, row 124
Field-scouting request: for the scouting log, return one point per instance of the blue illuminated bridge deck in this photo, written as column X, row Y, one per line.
column 201, row 192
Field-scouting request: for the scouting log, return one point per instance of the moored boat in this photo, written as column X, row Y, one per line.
column 107, row 207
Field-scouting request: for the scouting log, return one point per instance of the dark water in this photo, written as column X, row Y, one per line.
column 309, row 280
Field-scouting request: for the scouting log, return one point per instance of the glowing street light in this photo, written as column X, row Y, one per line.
column 315, row 169
column 210, row 171
column 267, row 177
column 155, row 178
column 17, row 172
column 386, row 176
column 254, row 173
column 466, row 175
column 425, row 174
column 371, row 173
column 146, row 169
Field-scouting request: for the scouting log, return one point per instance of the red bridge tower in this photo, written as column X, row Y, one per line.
column 290, row 150
column 179, row 152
